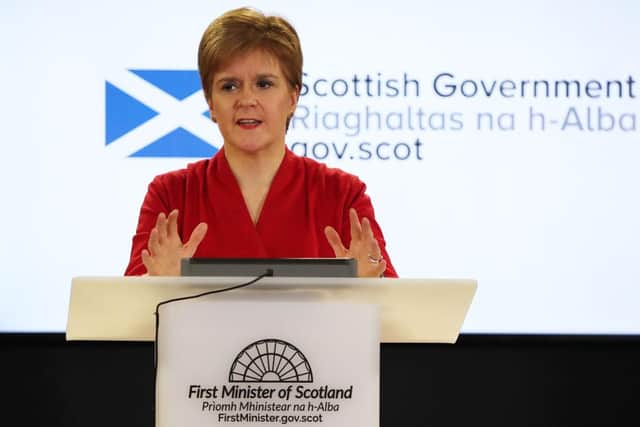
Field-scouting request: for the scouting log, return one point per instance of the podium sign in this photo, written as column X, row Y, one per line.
column 256, row 362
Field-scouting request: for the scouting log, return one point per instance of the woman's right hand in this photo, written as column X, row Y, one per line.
column 165, row 248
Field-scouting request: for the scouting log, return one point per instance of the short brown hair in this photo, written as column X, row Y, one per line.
column 242, row 30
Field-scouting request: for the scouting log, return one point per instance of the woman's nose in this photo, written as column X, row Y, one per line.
column 248, row 97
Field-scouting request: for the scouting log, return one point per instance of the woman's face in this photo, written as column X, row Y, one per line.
column 251, row 100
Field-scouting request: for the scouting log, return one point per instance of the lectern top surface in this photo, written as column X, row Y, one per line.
column 411, row 310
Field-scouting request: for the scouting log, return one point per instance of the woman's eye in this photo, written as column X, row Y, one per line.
column 264, row 84
column 227, row 87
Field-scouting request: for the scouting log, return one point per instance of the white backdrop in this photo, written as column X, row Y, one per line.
column 545, row 220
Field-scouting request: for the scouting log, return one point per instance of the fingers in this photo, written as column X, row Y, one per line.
column 369, row 240
column 334, row 241
column 172, row 224
column 356, row 228
column 166, row 228
column 161, row 227
column 379, row 270
column 197, row 235
column 165, row 249
column 365, row 247
column 154, row 241
column 367, row 268
column 147, row 261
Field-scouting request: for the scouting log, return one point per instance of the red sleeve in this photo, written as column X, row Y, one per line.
column 361, row 202
column 155, row 201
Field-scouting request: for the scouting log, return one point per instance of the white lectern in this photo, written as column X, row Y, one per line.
column 297, row 351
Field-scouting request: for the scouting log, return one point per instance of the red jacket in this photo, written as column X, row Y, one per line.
column 305, row 196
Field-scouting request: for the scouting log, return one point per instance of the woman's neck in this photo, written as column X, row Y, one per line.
column 254, row 169
column 254, row 173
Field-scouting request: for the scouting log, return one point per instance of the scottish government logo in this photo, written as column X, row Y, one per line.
column 158, row 113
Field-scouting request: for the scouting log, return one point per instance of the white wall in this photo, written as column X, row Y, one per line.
column 546, row 221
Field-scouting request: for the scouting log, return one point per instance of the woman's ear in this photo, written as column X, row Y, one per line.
column 212, row 114
column 295, row 95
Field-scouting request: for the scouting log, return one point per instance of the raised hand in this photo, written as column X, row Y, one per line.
column 165, row 248
column 363, row 247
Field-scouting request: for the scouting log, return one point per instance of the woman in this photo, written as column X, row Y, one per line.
column 255, row 198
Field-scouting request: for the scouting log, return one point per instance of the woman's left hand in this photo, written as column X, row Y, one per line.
column 364, row 246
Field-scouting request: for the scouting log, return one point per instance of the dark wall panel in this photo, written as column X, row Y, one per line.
column 482, row 380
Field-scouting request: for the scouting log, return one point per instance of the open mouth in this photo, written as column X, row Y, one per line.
column 248, row 123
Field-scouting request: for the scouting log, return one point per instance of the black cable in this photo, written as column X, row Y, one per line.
column 268, row 273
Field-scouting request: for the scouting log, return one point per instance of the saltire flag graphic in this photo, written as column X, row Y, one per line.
column 158, row 113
